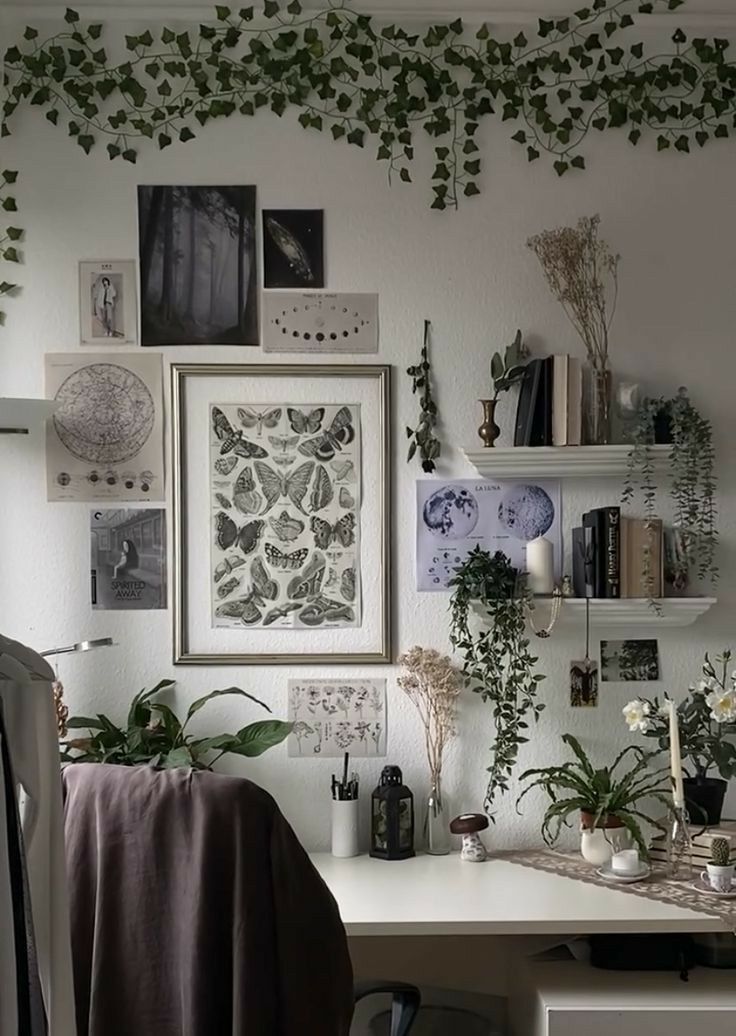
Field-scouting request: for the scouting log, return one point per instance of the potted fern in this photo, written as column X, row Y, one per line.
column 606, row 799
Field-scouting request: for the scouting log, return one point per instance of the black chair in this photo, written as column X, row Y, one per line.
column 404, row 1005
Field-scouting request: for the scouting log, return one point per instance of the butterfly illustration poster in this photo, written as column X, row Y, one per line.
column 285, row 505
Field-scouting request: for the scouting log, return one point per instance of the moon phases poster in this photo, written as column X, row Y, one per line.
column 454, row 517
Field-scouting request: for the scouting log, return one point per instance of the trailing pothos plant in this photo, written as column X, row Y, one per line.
column 496, row 661
column 154, row 735
column 380, row 85
column 692, row 479
column 422, row 439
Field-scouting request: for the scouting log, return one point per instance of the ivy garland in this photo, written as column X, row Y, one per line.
column 371, row 85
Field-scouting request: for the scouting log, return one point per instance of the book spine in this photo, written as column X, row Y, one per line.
column 593, row 521
column 559, row 399
column 612, row 548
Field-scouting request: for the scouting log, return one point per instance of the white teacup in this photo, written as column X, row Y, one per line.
column 720, row 879
column 626, row 862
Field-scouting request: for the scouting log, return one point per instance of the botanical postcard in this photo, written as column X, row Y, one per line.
column 332, row 717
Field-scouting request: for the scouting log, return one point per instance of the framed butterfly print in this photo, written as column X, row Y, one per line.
column 281, row 514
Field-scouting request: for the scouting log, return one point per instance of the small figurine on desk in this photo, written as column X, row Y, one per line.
column 469, row 825
column 345, row 813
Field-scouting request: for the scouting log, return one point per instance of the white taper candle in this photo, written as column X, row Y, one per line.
column 678, row 793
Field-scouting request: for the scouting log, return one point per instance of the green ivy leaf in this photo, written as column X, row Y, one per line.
column 185, row 134
column 222, row 13
column 270, row 9
column 71, row 16
column 11, row 255
column 560, row 167
column 14, row 233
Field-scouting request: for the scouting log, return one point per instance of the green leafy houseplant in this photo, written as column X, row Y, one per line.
column 496, row 660
column 600, row 795
column 379, row 86
column 508, row 370
column 693, row 478
column 154, row 735
column 423, row 438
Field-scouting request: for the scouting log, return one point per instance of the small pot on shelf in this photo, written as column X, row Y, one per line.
column 704, row 799
column 598, row 842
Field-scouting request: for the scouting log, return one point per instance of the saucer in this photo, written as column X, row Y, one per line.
column 608, row 874
column 702, row 886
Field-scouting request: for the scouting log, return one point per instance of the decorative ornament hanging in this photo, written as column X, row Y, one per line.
column 555, row 610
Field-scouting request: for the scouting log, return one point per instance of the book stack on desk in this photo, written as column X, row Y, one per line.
column 701, row 842
column 609, row 552
column 550, row 402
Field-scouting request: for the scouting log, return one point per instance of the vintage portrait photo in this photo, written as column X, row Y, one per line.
column 198, row 265
column 293, row 250
column 107, row 302
column 128, row 558
column 624, row 661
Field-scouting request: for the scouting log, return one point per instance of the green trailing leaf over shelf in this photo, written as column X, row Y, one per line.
column 377, row 86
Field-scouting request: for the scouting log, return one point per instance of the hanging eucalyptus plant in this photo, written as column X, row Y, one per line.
column 497, row 662
column 692, row 477
column 422, row 439
column 379, row 85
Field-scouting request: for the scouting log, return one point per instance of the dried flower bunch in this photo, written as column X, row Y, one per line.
column 581, row 272
column 433, row 684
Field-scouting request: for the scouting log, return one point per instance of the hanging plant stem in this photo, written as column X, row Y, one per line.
column 497, row 662
column 422, row 438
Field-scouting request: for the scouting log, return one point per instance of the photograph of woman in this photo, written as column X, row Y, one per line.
column 107, row 302
column 128, row 559
column 105, row 296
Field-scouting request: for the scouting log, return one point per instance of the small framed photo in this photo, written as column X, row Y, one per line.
column 107, row 302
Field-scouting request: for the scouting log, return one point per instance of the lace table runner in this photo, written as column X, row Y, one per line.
column 656, row 886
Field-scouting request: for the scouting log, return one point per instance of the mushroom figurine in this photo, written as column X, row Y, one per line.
column 469, row 825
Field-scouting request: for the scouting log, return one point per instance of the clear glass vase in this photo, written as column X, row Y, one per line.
column 596, row 405
column 437, row 822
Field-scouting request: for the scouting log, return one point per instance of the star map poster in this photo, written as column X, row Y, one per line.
column 454, row 517
column 105, row 440
column 285, row 504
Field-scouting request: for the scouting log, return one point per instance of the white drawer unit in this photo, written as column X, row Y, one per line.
column 572, row 999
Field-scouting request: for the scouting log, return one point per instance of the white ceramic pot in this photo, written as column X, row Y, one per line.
column 593, row 846
column 720, row 879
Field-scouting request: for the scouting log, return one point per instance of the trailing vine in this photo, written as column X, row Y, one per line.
column 693, row 479
column 422, row 438
column 497, row 662
column 379, row 85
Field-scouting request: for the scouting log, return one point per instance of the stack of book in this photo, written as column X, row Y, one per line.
column 550, row 403
column 701, row 843
column 612, row 554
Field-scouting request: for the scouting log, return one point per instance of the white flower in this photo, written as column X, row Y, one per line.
column 722, row 705
column 704, row 686
column 636, row 713
column 664, row 710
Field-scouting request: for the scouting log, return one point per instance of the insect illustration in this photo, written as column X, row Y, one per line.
column 246, row 497
column 342, row 532
column 248, row 608
column 347, row 584
column 344, row 470
column 224, row 465
column 227, row 534
column 331, row 441
column 347, row 499
column 286, row 528
column 232, row 440
column 228, row 565
column 280, row 612
column 324, row 609
column 283, row 442
column 278, row 559
column 284, row 460
column 228, row 587
column 293, row 484
column 322, row 491
column 307, row 584
column 302, row 423
column 290, row 248
column 223, row 501
column 259, row 419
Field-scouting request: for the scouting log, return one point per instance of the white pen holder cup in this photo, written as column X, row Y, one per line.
column 345, row 828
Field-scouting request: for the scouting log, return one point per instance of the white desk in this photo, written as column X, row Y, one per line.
column 442, row 895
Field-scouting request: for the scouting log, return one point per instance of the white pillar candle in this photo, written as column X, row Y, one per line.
column 626, row 861
column 678, row 793
column 539, row 565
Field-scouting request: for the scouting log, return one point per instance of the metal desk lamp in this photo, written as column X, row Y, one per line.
column 62, row 709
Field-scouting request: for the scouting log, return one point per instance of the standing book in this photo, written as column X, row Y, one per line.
column 527, row 405
column 560, row 396
column 574, row 401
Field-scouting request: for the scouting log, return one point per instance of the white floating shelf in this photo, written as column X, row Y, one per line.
column 18, row 415
column 633, row 613
column 556, row 461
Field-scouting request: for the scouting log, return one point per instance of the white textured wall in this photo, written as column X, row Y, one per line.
column 673, row 220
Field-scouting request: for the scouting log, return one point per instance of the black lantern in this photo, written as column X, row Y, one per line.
column 392, row 817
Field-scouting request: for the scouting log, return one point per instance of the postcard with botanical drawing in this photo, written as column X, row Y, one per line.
column 285, row 505
column 319, row 322
column 332, row 717
column 107, row 302
column 105, row 441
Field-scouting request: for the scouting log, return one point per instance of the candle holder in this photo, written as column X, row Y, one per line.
column 680, row 846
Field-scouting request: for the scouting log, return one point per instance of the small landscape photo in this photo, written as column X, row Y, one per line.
column 584, row 684
column 629, row 661
column 293, row 255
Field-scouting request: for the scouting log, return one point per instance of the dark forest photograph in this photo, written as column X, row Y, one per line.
column 198, row 265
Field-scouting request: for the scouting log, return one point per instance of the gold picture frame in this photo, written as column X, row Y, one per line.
column 195, row 387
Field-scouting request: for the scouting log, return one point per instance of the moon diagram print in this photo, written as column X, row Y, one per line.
column 285, row 504
column 105, row 440
column 320, row 322
column 454, row 517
